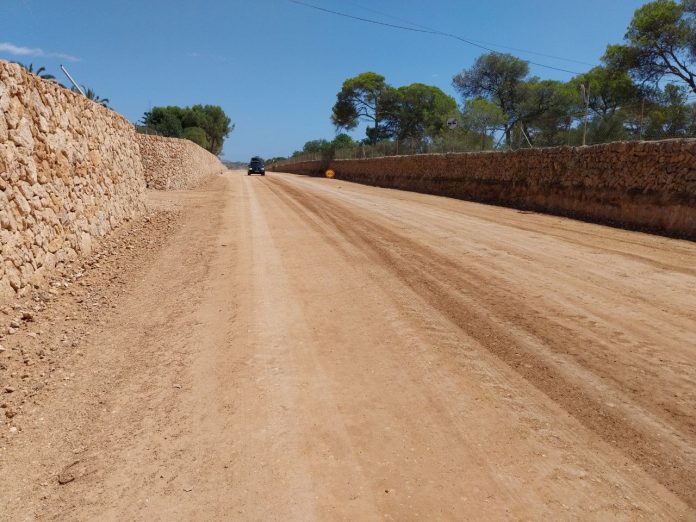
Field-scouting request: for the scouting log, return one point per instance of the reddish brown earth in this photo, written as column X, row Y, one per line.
column 290, row 348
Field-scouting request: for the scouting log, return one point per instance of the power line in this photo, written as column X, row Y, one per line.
column 526, row 51
column 423, row 31
column 426, row 30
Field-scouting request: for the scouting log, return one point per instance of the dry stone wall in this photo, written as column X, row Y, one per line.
column 643, row 185
column 172, row 164
column 70, row 171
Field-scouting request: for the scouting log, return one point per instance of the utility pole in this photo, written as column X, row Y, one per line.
column 586, row 100
column 642, row 113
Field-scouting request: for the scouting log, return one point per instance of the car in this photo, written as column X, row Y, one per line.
column 256, row 166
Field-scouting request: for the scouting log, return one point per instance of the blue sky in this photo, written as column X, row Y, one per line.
column 274, row 66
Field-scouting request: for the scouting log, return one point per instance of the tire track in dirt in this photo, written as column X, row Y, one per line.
column 543, row 265
column 470, row 303
column 606, row 238
column 610, row 307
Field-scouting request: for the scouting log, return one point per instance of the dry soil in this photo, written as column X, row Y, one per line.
column 291, row 348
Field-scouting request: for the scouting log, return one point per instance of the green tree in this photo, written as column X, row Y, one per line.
column 216, row 124
column 327, row 149
column 418, row 112
column 40, row 71
column 90, row 94
column 463, row 138
column 361, row 99
column 483, row 117
column 547, row 111
column 343, row 141
column 610, row 127
column 315, row 146
column 173, row 122
column 275, row 159
column 667, row 116
column 196, row 135
column 660, row 42
column 609, row 89
column 165, row 121
column 499, row 78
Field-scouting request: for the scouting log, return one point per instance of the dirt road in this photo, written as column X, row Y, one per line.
column 309, row 349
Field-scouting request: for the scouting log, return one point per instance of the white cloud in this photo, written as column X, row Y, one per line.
column 6, row 47
column 66, row 57
column 19, row 51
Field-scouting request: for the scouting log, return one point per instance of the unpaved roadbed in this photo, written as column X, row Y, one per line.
column 42, row 332
column 296, row 348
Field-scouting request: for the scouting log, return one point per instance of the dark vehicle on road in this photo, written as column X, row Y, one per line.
column 256, row 166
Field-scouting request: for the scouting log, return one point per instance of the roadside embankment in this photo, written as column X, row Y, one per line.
column 174, row 164
column 70, row 171
column 643, row 185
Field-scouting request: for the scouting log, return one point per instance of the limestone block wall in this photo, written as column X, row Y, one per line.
column 173, row 164
column 70, row 171
column 643, row 185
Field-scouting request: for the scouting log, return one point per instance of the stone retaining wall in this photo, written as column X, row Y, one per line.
column 643, row 185
column 173, row 164
column 70, row 171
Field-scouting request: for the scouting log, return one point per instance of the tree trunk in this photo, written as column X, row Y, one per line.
column 508, row 135
column 375, row 136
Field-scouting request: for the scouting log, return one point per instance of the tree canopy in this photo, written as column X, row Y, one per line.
column 609, row 89
column 550, row 113
column 362, row 98
column 327, row 148
column 39, row 71
column 206, row 125
column 660, row 42
column 500, row 79
column 90, row 94
column 483, row 117
column 644, row 88
column 417, row 111
column 197, row 135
